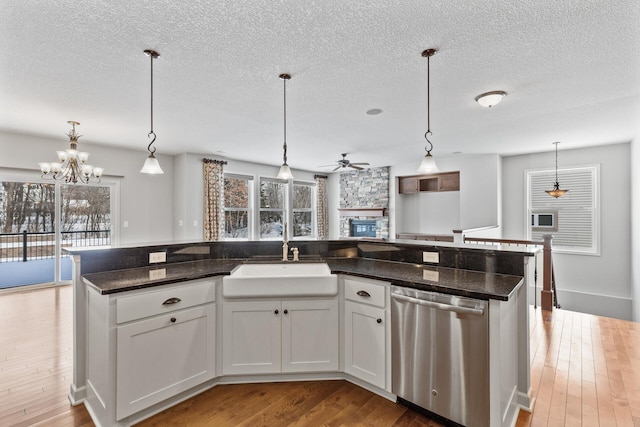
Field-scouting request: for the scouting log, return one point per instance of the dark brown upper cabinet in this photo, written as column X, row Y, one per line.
column 445, row 181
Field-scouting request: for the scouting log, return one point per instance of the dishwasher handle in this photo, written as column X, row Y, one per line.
column 439, row 305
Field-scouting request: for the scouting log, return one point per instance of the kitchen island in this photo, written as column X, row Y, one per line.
column 120, row 332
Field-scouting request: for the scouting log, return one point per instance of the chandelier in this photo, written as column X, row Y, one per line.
column 71, row 166
column 556, row 191
column 151, row 164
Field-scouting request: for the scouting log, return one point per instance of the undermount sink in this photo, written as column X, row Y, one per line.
column 280, row 280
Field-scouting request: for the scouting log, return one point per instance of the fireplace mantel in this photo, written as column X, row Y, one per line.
column 362, row 211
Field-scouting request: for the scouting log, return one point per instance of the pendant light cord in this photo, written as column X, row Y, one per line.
column 152, row 54
column 428, row 54
column 284, row 78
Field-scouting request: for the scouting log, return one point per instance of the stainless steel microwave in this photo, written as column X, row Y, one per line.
column 544, row 221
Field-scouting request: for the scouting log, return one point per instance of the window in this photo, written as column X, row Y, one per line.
column 303, row 210
column 575, row 214
column 272, row 208
column 237, row 207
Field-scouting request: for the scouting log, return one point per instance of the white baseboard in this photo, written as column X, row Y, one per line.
column 597, row 304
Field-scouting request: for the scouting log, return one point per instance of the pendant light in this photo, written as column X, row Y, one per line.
column 285, row 170
column 556, row 192
column 151, row 165
column 428, row 165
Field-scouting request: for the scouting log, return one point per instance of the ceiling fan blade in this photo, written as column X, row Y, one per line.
column 352, row 165
column 336, row 169
column 324, row 166
column 361, row 164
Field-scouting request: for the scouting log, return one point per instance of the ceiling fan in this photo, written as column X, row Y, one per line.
column 346, row 163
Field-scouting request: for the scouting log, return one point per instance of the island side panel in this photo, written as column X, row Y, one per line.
column 78, row 391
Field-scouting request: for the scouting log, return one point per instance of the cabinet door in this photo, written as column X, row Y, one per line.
column 310, row 336
column 449, row 182
column 164, row 355
column 365, row 343
column 407, row 185
column 251, row 337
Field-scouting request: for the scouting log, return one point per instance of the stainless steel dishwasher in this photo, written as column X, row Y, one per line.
column 440, row 354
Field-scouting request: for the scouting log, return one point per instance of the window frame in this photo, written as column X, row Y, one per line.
column 250, row 217
column 558, row 204
column 285, row 208
column 312, row 209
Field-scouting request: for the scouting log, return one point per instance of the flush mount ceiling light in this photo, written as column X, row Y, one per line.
column 556, row 192
column 151, row 165
column 71, row 166
column 490, row 99
column 428, row 165
column 285, row 171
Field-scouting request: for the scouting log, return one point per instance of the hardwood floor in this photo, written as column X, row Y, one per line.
column 585, row 370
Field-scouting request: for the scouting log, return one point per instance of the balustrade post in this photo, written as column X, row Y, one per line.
column 546, row 297
column 24, row 245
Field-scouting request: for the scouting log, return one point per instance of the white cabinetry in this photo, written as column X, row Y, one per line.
column 366, row 326
column 146, row 346
column 274, row 336
column 161, row 356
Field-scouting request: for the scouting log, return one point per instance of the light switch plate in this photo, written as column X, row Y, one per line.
column 431, row 257
column 155, row 257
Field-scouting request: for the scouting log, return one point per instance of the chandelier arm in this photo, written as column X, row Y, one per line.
column 429, row 147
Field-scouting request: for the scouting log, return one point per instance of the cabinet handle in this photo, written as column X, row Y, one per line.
column 276, row 312
column 171, row 301
column 363, row 294
column 286, row 311
column 173, row 320
column 379, row 320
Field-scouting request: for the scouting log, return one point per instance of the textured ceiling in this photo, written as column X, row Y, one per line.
column 571, row 69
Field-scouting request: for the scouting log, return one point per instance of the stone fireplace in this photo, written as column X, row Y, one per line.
column 364, row 196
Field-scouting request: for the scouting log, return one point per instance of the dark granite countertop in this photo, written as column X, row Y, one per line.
column 468, row 283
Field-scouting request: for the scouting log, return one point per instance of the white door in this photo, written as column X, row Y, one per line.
column 163, row 355
column 251, row 337
column 310, row 336
column 365, row 343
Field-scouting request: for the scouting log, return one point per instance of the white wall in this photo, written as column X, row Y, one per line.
column 475, row 205
column 592, row 284
column 635, row 228
column 146, row 201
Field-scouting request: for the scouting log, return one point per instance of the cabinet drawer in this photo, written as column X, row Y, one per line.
column 164, row 300
column 365, row 292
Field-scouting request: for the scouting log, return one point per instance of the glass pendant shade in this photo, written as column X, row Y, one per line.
column 151, row 166
column 556, row 192
column 428, row 164
column 285, row 172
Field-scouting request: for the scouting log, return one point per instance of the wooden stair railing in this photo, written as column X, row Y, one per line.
column 548, row 296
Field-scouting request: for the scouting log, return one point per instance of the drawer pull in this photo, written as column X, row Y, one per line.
column 172, row 301
column 363, row 294
column 173, row 320
column 379, row 320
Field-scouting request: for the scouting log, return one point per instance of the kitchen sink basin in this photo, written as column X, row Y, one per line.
column 280, row 280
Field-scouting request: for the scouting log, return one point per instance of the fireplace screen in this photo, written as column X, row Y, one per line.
column 363, row 228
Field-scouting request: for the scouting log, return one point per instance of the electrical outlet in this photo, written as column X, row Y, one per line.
column 432, row 257
column 155, row 257
column 431, row 276
column 158, row 274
